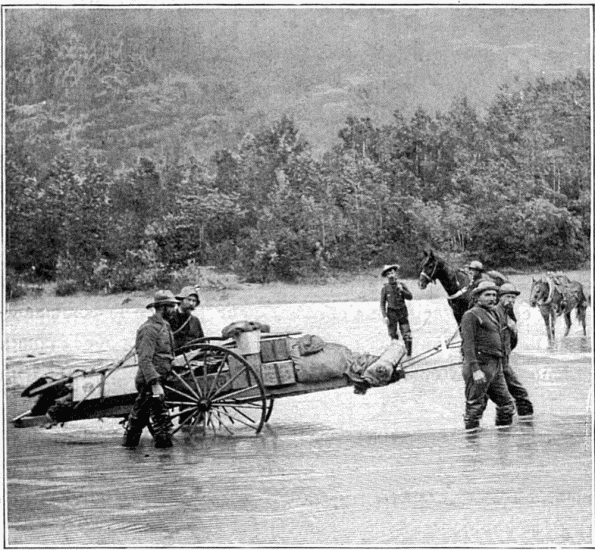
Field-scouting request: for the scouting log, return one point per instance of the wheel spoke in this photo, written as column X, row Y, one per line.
column 171, row 388
column 186, row 384
column 210, row 421
column 243, row 414
column 184, row 411
column 237, row 419
column 205, row 368
column 232, row 379
column 180, row 426
column 195, row 422
column 194, row 379
column 174, row 403
column 238, row 404
column 213, row 389
column 221, row 423
column 234, row 393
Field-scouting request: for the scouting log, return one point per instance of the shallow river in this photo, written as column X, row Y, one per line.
column 390, row 468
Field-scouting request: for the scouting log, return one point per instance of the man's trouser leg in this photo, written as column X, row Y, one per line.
column 499, row 394
column 406, row 333
column 161, row 421
column 137, row 419
column 393, row 324
column 517, row 390
column 476, row 399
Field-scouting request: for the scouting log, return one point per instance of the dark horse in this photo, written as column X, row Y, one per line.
column 455, row 282
column 557, row 295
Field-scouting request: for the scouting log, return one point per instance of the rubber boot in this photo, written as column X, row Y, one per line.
column 133, row 430
column 526, row 409
column 163, row 441
column 131, row 438
column 409, row 347
column 503, row 421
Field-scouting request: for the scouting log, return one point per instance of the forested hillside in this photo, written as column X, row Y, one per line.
column 121, row 174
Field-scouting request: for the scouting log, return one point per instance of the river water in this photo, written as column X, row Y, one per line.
column 390, row 468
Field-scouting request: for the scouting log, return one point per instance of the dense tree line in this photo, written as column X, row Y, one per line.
column 511, row 187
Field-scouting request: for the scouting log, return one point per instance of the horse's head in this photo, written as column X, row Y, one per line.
column 428, row 268
column 539, row 292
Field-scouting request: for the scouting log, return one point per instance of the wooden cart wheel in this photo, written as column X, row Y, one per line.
column 212, row 398
column 269, row 409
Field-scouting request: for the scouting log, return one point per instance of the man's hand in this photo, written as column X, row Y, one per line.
column 385, row 320
column 158, row 391
column 479, row 377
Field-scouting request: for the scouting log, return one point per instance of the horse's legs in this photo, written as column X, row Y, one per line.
column 581, row 311
column 548, row 325
column 568, row 322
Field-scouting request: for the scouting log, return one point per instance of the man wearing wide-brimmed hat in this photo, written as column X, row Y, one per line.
column 185, row 326
column 507, row 297
column 393, row 307
column 483, row 356
column 155, row 353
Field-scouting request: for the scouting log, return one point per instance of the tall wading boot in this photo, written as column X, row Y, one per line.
column 409, row 347
column 132, row 435
column 162, row 424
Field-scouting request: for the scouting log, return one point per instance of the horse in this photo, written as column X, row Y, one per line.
column 455, row 282
column 557, row 295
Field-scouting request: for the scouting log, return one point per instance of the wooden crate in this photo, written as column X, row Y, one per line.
column 278, row 373
column 274, row 349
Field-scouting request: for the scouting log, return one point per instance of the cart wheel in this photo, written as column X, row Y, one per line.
column 207, row 401
column 269, row 409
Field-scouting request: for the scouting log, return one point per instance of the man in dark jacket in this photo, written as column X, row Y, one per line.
column 155, row 352
column 393, row 307
column 185, row 326
column 483, row 357
column 507, row 297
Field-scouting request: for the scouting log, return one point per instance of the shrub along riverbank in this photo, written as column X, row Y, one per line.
column 360, row 287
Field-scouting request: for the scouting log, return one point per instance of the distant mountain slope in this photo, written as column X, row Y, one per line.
column 222, row 72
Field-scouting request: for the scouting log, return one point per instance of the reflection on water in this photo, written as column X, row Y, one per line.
column 392, row 467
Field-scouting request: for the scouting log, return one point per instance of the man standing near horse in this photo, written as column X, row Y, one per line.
column 393, row 307
column 507, row 297
column 483, row 359
column 155, row 352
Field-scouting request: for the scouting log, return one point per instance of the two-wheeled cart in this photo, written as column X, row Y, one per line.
column 223, row 388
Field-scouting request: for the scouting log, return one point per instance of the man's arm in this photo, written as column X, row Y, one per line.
column 383, row 301
column 145, row 350
column 468, row 335
column 406, row 292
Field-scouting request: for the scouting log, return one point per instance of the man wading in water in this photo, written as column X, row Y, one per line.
column 483, row 358
column 393, row 307
column 155, row 352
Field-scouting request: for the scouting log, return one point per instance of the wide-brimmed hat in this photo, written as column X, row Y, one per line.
column 483, row 286
column 163, row 298
column 387, row 268
column 508, row 288
column 475, row 264
column 187, row 291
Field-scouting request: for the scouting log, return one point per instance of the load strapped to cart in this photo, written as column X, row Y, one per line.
column 221, row 388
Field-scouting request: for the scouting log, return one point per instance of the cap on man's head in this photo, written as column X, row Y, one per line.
column 187, row 291
column 475, row 264
column 163, row 298
column 484, row 286
column 508, row 288
column 387, row 268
